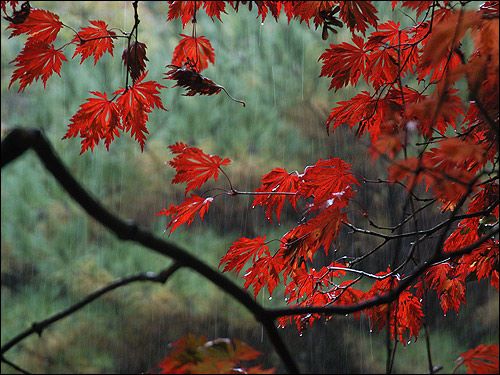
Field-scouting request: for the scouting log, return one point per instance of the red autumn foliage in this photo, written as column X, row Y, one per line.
column 186, row 212
column 195, row 355
column 102, row 118
column 193, row 166
column 197, row 52
column 37, row 60
column 483, row 359
column 437, row 138
column 40, row 26
column 275, row 182
column 94, row 41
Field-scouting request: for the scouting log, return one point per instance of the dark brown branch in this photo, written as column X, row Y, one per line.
column 39, row 327
column 19, row 140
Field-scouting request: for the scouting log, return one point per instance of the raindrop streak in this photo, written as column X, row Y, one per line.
column 274, row 85
column 303, row 63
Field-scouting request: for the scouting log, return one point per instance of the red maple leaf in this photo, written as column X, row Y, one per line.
column 483, row 359
column 193, row 166
column 344, row 63
column 185, row 212
column 277, row 181
column 408, row 317
column 241, row 251
column 419, row 6
column 183, row 10
column 36, row 60
column 264, row 272
column 305, row 10
column 41, row 26
column 214, row 8
column 98, row 118
column 329, row 182
column 362, row 110
column 135, row 103
column 357, row 15
column 195, row 51
column 94, row 40
column 323, row 229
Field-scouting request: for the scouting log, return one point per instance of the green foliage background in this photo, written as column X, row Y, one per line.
column 53, row 254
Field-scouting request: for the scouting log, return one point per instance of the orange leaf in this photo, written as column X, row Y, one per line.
column 447, row 34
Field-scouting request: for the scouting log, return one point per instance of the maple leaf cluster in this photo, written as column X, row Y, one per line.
column 412, row 75
column 437, row 138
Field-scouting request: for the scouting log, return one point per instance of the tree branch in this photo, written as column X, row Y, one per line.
column 19, row 140
column 39, row 327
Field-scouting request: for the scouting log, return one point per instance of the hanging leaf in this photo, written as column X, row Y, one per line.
column 98, row 118
column 277, row 181
column 194, row 166
column 94, row 41
column 183, row 10
column 135, row 103
column 186, row 212
column 195, row 51
column 134, row 58
column 40, row 25
column 242, row 251
column 36, row 60
column 194, row 82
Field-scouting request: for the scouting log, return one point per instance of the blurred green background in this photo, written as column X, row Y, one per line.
column 53, row 254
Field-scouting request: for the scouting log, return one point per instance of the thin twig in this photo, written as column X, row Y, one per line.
column 39, row 327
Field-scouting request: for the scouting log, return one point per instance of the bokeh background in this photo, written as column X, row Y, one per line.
column 53, row 254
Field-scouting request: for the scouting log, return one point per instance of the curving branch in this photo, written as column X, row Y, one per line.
column 39, row 327
column 20, row 140
column 14, row 366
